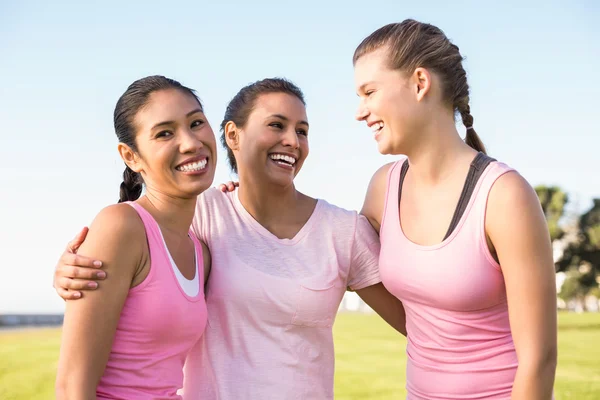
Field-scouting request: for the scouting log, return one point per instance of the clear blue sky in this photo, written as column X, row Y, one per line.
column 533, row 70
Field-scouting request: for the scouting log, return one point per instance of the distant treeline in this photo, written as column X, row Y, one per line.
column 16, row 320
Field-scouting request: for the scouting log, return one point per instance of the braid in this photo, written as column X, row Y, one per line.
column 472, row 139
column 131, row 187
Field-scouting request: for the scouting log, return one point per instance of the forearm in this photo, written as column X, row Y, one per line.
column 81, row 361
column 386, row 305
column 535, row 381
column 396, row 319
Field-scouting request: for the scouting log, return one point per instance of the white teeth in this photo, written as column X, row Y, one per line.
column 195, row 166
column 377, row 127
column 283, row 157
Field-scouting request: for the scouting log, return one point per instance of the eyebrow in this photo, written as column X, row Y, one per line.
column 284, row 118
column 164, row 123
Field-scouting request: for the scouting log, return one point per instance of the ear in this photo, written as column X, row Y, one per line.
column 232, row 135
column 422, row 81
column 129, row 157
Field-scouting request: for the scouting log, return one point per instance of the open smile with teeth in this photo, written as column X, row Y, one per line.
column 376, row 127
column 193, row 166
column 283, row 159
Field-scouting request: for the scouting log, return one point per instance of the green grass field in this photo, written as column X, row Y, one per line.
column 370, row 360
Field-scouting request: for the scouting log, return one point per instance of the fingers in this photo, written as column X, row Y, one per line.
column 231, row 186
column 76, row 272
column 75, row 284
column 79, row 261
column 76, row 242
column 68, row 295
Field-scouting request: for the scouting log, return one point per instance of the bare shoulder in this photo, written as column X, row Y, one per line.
column 375, row 197
column 515, row 222
column 379, row 179
column 120, row 220
column 117, row 236
column 511, row 194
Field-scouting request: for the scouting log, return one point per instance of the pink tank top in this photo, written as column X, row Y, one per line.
column 459, row 339
column 158, row 326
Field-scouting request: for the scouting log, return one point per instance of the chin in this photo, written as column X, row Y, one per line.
column 384, row 148
column 282, row 181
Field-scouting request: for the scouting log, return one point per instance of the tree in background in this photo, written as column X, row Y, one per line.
column 553, row 201
column 581, row 258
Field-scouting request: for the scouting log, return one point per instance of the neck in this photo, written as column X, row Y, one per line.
column 439, row 151
column 171, row 213
column 267, row 203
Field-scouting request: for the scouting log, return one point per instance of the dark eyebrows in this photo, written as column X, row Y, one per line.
column 166, row 123
column 286, row 119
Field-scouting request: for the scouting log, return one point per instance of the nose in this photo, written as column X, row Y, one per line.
column 189, row 142
column 362, row 112
column 290, row 138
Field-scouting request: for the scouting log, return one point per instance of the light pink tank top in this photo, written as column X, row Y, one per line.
column 158, row 326
column 459, row 339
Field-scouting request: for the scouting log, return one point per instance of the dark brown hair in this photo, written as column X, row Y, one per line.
column 135, row 98
column 412, row 44
column 242, row 104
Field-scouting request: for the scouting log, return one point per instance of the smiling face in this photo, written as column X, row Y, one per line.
column 390, row 101
column 175, row 145
column 273, row 144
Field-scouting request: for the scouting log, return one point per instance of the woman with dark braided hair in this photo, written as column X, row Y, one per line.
column 464, row 242
column 130, row 340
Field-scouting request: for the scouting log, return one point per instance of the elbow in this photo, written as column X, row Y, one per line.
column 61, row 388
column 549, row 360
column 542, row 365
column 69, row 389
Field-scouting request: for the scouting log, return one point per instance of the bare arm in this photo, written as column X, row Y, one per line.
column 375, row 198
column 75, row 273
column 517, row 229
column 377, row 296
column 386, row 305
column 117, row 237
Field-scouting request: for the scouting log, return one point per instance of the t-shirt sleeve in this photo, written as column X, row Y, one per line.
column 364, row 261
column 200, row 221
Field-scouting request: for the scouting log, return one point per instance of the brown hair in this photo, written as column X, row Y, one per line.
column 412, row 44
column 241, row 106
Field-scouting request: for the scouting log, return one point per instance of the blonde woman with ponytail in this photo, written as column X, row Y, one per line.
column 464, row 243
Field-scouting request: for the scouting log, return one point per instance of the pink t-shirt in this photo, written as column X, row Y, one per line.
column 272, row 302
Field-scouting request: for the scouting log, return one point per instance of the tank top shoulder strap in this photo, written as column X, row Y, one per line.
column 390, row 208
column 153, row 233
column 481, row 193
column 488, row 177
